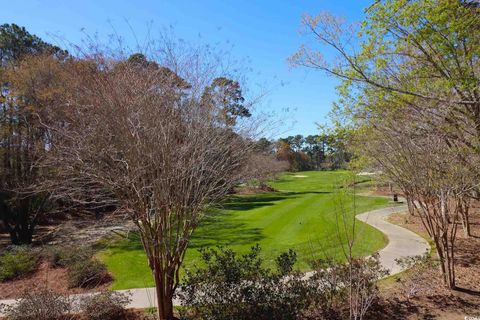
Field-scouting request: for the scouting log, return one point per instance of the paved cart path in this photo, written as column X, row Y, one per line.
column 402, row 243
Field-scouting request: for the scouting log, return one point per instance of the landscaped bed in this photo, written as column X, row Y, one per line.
column 419, row 293
column 66, row 270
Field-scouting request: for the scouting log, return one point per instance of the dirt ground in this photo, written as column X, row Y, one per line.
column 79, row 231
column 131, row 314
column 419, row 293
column 44, row 277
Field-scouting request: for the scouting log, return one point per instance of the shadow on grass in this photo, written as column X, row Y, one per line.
column 129, row 242
column 223, row 226
column 240, row 203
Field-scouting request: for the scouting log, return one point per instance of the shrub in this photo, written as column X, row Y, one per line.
column 107, row 305
column 346, row 290
column 87, row 274
column 417, row 282
column 16, row 262
column 239, row 287
column 232, row 287
column 39, row 305
column 63, row 256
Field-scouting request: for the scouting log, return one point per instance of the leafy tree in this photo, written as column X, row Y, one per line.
column 410, row 90
column 226, row 96
column 265, row 146
column 17, row 42
column 29, row 82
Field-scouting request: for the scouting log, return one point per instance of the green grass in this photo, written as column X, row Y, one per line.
column 303, row 215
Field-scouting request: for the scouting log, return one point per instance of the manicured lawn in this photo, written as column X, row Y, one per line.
column 304, row 215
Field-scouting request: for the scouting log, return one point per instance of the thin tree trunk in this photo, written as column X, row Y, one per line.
column 466, row 225
column 164, row 294
column 410, row 205
column 441, row 257
column 464, row 214
column 161, row 312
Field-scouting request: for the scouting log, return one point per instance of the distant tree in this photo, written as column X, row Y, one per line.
column 298, row 160
column 284, row 151
column 295, row 142
column 17, row 42
column 225, row 96
column 29, row 82
column 264, row 146
column 314, row 147
column 337, row 142
column 327, row 151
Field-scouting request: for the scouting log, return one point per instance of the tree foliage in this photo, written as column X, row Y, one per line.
column 29, row 83
column 326, row 151
column 224, row 96
column 16, row 42
column 410, row 90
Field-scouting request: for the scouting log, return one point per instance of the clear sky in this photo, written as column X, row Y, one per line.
column 264, row 33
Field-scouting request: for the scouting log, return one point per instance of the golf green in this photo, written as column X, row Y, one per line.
column 311, row 213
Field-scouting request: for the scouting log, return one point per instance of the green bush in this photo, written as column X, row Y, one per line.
column 239, row 287
column 66, row 256
column 229, row 286
column 87, row 274
column 17, row 261
column 39, row 305
column 108, row 305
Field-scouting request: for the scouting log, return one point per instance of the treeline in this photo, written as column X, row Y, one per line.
column 314, row 152
column 410, row 95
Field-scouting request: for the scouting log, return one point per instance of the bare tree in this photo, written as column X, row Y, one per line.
column 436, row 183
column 262, row 167
column 136, row 135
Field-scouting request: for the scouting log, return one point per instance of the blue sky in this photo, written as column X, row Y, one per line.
column 263, row 33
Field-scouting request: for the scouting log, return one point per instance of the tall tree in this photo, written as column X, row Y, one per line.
column 17, row 42
column 164, row 158
column 225, row 97
column 28, row 84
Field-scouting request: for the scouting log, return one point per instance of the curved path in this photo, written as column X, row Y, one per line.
column 402, row 243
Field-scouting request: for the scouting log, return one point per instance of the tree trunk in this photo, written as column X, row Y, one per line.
column 466, row 225
column 21, row 235
column 164, row 294
column 441, row 257
column 448, row 263
column 411, row 207
column 464, row 214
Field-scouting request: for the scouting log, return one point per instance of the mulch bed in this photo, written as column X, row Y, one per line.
column 44, row 277
column 419, row 293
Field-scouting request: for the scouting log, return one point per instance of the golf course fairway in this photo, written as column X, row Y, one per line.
column 311, row 213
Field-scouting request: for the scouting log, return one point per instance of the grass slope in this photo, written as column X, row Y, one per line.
column 304, row 215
